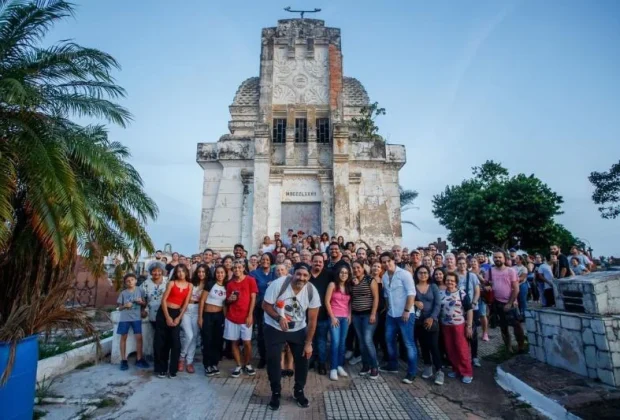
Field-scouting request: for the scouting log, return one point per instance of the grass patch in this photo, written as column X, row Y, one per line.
column 107, row 402
column 50, row 350
column 44, row 389
column 502, row 354
column 38, row 414
column 84, row 365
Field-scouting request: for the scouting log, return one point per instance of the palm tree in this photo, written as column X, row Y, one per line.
column 407, row 197
column 65, row 189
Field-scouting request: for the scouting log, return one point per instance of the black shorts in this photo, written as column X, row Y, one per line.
column 506, row 318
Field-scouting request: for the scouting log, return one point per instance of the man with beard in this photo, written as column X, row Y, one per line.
column 505, row 285
column 562, row 268
column 321, row 278
column 286, row 322
column 416, row 260
column 263, row 276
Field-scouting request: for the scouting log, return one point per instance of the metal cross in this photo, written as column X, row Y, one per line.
column 288, row 9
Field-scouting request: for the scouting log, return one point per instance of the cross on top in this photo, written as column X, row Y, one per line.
column 288, row 9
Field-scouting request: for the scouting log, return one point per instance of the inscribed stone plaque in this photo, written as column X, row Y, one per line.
column 301, row 216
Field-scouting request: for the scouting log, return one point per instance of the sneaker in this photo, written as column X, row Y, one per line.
column 237, row 372
column 124, row 365
column 261, row 365
column 428, row 372
column 209, row 371
column 467, row 379
column 142, row 364
column 365, row 370
column 439, row 378
column 485, row 337
column 215, row 370
column 388, row 369
column 249, row 370
column 333, row 375
column 322, row 369
column 342, row 372
column 172, row 375
column 190, row 368
column 408, row 379
column 355, row 360
column 477, row 362
column 452, row 375
column 274, row 403
column 301, row 399
column 181, row 365
column 161, row 374
column 374, row 373
column 348, row 354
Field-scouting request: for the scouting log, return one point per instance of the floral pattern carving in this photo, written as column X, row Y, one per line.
column 300, row 80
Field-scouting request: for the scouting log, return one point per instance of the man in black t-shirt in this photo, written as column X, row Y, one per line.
column 563, row 267
column 320, row 278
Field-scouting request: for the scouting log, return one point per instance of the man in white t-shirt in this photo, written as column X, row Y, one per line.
column 286, row 322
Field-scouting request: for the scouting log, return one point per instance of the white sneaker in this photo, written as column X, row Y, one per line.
column 355, row 360
column 477, row 362
column 439, row 378
column 348, row 354
column 428, row 372
column 333, row 375
column 342, row 372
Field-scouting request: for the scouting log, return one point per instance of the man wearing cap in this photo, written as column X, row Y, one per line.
column 285, row 304
column 153, row 289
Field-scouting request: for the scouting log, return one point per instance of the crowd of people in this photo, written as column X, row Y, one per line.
column 311, row 302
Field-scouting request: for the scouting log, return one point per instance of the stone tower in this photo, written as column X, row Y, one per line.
column 293, row 159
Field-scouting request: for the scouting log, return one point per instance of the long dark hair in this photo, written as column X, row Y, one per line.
column 175, row 273
column 213, row 279
column 196, row 279
column 348, row 283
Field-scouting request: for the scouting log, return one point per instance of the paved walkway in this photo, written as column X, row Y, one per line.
column 137, row 394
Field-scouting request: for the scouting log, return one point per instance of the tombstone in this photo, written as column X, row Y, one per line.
column 293, row 157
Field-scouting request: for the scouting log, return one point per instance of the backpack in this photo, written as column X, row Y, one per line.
column 288, row 281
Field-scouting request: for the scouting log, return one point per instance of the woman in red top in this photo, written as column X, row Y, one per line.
column 167, row 325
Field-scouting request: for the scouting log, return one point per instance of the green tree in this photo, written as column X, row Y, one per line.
column 407, row 197
column 366, row 124
column 607, row 191
column 65, row 189
column 494, row 210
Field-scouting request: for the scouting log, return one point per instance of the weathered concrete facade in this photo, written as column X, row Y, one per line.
column 293, row 154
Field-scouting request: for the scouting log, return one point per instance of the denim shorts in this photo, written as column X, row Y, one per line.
column 123, row 327
column 482, row 308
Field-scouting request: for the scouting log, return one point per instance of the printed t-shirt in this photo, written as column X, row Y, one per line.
column 452, row 312
column 238, row 310
column 502, row 282
column 153, row 294
column 291, row 306
column 217, row 295
column 133, row 314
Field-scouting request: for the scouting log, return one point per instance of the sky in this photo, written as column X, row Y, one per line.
column 534, row 85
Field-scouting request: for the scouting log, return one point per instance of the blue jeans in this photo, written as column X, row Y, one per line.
column 320, row 337
column 365, row 332
column 339, row 338
column 523, row 288
column 397, row 325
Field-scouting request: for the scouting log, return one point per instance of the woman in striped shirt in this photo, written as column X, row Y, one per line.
column 364, row 305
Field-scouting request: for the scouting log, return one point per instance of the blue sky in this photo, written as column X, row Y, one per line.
column 532, row 84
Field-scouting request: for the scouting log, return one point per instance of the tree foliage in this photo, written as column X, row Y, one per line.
column 407, row 197
column 607, row 191
column 65, row 189
column 366, row 124
column 494, row 210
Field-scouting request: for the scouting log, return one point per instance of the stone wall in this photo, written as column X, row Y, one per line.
column 596, row 293
column 588, row 345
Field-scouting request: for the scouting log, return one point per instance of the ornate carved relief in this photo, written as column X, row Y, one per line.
column 300, row 79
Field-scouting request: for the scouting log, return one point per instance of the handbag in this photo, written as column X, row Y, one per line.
column 487, row 295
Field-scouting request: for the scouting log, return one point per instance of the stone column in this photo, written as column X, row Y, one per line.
column 289, row 154
column 247, row 179
column 327, row 202
column 260, row 191
column 354, row 208
column 342, row 214
column 313, row 153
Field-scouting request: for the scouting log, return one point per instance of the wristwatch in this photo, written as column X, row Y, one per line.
column 406, row 310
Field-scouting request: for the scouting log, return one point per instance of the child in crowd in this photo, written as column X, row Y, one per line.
column 131, row 301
